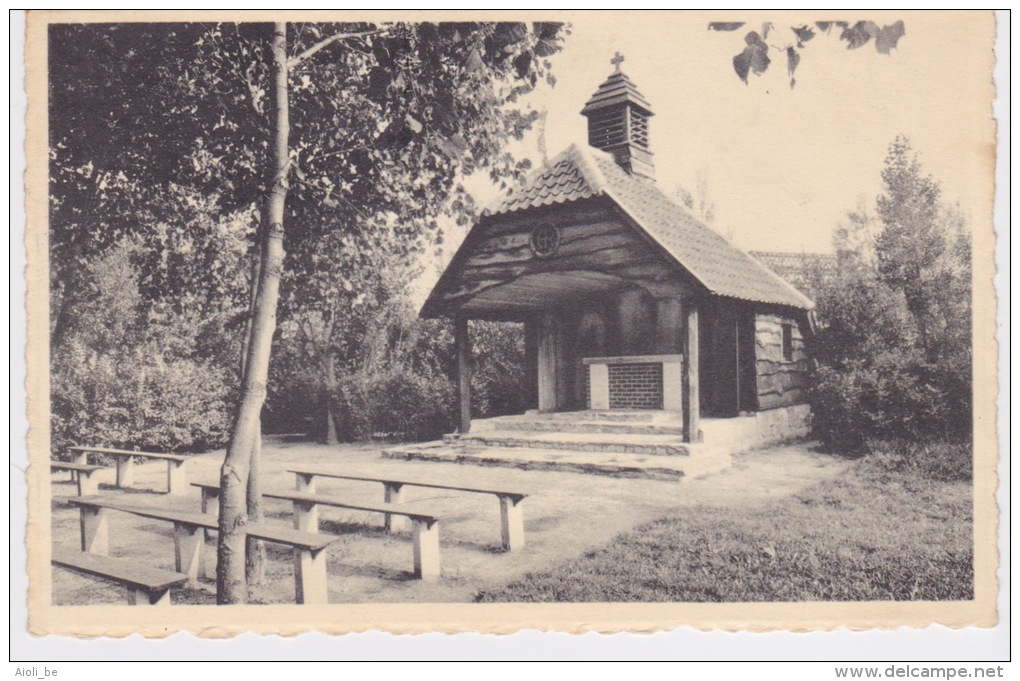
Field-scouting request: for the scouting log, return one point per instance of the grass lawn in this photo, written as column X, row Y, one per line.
column 881, row 531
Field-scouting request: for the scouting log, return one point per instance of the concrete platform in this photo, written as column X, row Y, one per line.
column 622, row 443
column 616, row 464
column 617, row 441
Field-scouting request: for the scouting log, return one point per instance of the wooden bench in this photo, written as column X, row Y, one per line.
column 306, row 518
column 84, row 474
column 309, row 549
column 176, row 473
column 511, row 514
column 145, row 585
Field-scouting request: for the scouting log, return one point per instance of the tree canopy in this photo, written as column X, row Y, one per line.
column 198, row 141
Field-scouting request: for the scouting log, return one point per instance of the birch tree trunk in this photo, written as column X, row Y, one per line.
column 255, row 549
column 231, row 585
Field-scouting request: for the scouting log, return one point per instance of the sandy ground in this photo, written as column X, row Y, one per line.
column 565, row 515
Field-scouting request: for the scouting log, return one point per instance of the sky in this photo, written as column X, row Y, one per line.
column 783, row 166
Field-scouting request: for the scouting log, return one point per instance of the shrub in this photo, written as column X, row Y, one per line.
column 130, row 377
column 398, row 404
column 894, row 395
column 893, row 347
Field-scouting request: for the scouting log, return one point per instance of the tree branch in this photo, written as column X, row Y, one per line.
column 294, row 61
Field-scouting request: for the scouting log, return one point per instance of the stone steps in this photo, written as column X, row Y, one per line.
column 628, row 422
column 701, row 461
column 620, row 442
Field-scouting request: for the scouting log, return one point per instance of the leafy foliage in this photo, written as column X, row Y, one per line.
column 893, row 349
column 160, row 135
column 396, row 382
column 754, row 58
column 137, row 375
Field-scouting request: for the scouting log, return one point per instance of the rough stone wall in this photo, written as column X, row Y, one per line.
column 781, row 382
column 783, row 425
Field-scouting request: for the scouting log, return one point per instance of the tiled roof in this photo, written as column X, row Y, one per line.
column 559, row 182
column 720, row 266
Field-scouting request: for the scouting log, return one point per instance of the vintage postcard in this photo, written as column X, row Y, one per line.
column 572, row 321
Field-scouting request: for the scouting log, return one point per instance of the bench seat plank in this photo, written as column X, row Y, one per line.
column 325, row 500
column 404, row 481
column 119, row 570
column 79, row 467
column 128, row 452
column 306, row 519
column 271, row 533
column 511, row 514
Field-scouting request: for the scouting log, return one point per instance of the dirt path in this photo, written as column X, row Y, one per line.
column 566, row 515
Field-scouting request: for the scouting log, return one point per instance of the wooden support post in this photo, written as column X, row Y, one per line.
column 531, row 333
column 463, row 346
column 211, row 506
column 176, row 477
column 95, row 530
column 511, row 517
column 188, row 543
column 310, row 584
column 306, row 516
column 691, row 396
column 304, row 482
column 125, row 471
column 88, row 484
column 547, row 397
column 139, row 596
column 426, row 549
column 391, row 495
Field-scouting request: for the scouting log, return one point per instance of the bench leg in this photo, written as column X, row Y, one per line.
column 176, row 478
column 310, row 577
column 305, row 483
column 511, row 517
column 95, row 531
column 210, row 506
column 80, row 458
column 426, row 550
column 125, row 471
column 306, row 517
column 144, row 597
column 188, row 541
column 87, row 484
column 394, row 523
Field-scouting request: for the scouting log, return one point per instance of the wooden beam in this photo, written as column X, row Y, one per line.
column 691, row 393
column 463, row 345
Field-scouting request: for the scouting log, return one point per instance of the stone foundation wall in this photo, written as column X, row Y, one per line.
column 763, row 429
column 784, row 424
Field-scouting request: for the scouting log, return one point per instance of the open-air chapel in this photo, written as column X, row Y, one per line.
column 633, row 309
column 654, row 348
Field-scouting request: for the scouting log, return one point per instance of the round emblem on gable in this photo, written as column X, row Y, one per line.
column 545, row 239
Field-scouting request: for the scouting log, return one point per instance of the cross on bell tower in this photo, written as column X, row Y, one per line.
column 618, row 122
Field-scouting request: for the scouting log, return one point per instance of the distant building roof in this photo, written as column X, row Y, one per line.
column 800, row 269
column 581, row 173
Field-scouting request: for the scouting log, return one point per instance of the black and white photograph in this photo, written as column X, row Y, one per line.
column 496, row 322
